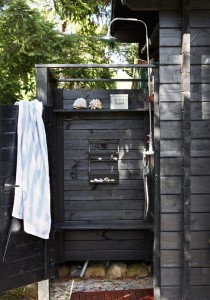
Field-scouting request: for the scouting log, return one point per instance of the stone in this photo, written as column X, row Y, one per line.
column 31, row 291
column 117, row 270
column 96, row 270
column 138, row 270
column 63, row 271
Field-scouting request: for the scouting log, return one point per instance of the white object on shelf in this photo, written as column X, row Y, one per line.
column 119, row 101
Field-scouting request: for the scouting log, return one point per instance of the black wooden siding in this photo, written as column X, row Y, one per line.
column 22, row 258
column 170, row 155
column 171, row 150
column 200, row 182
column 104, row 221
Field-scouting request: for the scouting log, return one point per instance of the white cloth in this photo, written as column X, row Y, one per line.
column 32, row 194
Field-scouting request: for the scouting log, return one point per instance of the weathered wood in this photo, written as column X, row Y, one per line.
column 105, row 245
column 200, row 111
column 200, row 37
column 200, row 18
column 104, row 215
column 169, row 92
column 200, row 292
column 200, row 276
column 151, row 4
column 108, row 235
column 201, row 258
column 170, row 148
column 104, row 134
column 171, row 240
column 168, row 18
column 200, row 221
column 107, row 255
column 200, row 74
column 99, row 204
column 171, row 222
column 200, row 129
column 102, row 124
column 170, row 37
column 200, row 92
column 44, row 290
column 172, row 293
column 170, row 55
column 171, row 203
column 171, row 185
column 200, row 55
column 200, row 239
column 170, row 111
column 171, row 276
column 200, row 203
column 170, row 166
column 200, row 184
column 170, row 130
column 170, row 74
column 171, row 258
column 200, row 166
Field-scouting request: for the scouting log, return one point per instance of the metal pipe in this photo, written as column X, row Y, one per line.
column 84, row 268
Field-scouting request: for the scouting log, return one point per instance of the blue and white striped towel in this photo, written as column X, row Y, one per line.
column 32, row 194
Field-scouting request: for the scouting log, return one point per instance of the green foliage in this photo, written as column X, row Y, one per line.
column 26, row 39
column 80, row 10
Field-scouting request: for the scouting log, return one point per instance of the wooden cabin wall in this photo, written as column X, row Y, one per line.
column 171, row 196
column 103, row 221
column 170, row 155
column 200, row 152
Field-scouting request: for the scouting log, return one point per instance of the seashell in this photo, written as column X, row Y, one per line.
column 96, row 104
column 80, row 103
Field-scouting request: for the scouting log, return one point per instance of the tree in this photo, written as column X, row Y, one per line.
column 26, row 39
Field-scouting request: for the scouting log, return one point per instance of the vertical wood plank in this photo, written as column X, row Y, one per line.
column 156, row 256
column 186, row 144
column 43, row 290
column 42, row 85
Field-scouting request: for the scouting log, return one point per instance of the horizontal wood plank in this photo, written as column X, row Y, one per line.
column 171, row 222
column 168, row 18
column 170, row 148
column 200, row 203
column 200, row 239
column 201, row 258
column 200, row 221
column 170, row 74
column 170, row 37
column 200, row 276
column 107, row 194
column 170, row 166
column 171, row 240
column 200, row 147
column 171, row 258
column 169, row 92
column 171, row 276
column 170, row 185
column 171, row 203
column 170, row 130
column 200, row 184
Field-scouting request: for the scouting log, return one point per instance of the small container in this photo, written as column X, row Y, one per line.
column 119, row 101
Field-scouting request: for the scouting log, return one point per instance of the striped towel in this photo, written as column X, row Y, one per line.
column 32, row 194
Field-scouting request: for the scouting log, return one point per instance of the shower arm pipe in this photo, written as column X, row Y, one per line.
column 148, row 70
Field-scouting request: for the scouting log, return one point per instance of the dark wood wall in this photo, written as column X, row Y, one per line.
column 200, row 152
column 105, row 220
column 171, row 160
column 170, row 154
column 22, row 258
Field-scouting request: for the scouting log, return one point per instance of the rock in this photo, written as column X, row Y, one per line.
column 63, row 271
column 117, row 270
column 31, row 291
column 75, row 271
column 138, row 270
column 95, row 270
